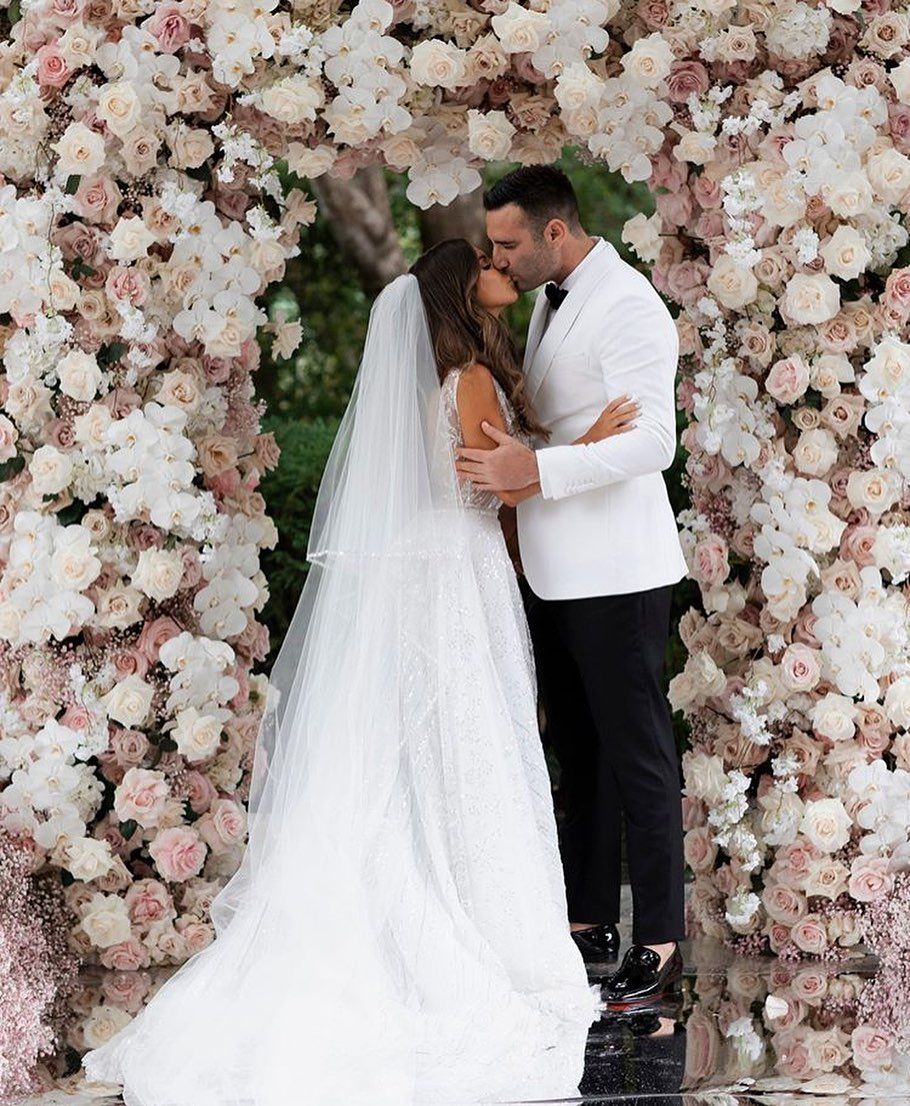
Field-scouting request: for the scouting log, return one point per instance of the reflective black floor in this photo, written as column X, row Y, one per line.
column 742, row 1032
column 748, row 1031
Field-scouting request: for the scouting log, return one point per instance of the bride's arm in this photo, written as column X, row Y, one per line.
column 475, row 398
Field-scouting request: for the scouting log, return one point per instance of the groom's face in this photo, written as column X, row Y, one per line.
column 519, row 250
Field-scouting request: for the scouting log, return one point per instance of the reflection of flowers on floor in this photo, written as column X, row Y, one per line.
column 784, row 1027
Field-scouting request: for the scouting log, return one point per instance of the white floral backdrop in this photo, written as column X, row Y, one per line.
column 142, row 214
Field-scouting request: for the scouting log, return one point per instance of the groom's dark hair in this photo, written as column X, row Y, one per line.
column 543, row 192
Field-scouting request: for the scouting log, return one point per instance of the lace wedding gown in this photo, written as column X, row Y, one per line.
column 436, row 966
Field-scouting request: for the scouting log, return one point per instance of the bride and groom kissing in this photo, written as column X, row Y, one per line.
column 488, row 534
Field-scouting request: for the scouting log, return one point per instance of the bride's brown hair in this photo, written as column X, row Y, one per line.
column 464, row 332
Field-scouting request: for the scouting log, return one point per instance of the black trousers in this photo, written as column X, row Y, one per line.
column 600, row 664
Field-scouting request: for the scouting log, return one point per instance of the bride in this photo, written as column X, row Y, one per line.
column 396, row 933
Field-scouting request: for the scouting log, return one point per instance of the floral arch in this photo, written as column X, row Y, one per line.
column 141, row 214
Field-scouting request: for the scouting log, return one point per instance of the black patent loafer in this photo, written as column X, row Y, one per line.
column 641, row 979
column 598, row 944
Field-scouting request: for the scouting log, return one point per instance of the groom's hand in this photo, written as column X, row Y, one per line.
column 508, row 467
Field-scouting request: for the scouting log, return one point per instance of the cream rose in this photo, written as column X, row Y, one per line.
column 490, row 134
column 440, row 64
column 889, row 175
column 810, row 298
column 733, row 285
column 80, row 151
column 105, row 920
column 845, row 254
column 128, row 701
column 649, row 61
column 826, row 824
column 87, row 858
column 50, row 470
column 129, row 240
column 815, row 452
column 79, row 375
column 120, row 107
column 158, row 573
column 197, row 735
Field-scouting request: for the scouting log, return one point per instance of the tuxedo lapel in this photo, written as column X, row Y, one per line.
column 535, row 328
column 539, row 358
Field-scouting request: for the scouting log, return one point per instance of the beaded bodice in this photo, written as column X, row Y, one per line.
column 471, row 497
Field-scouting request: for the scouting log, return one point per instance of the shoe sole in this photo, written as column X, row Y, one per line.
column 634, row 1005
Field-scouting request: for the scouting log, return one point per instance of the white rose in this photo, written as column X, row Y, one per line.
column 874, row 489
column 489, row 134
column 106, row 921
column 642, row 234
column 850, row 194
column 695, row 147
column 50, row 470
column 129, row 240
column 119, row 106
column 80, row 151
column 128, row 701
column 292, row 100
column 197, row 735
column 649, row 61
column 90, row 428
column 310, row 163
column 897, row 703
column 815, row 452
column 845, row 254
column 73, row 564
column 79, row 375
column 437, row 63
column 519, row 30
column 102, row 1023
column 826, row 824
column 88, row 858
column 899, row 76
column 889, row 174
column 705, row 777
column 810, row 298
column 834, row 717
column 158, row 573
column 733, row 284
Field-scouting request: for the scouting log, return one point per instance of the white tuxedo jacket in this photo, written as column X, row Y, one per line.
column 603, row 524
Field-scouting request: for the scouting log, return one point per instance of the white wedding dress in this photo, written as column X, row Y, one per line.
column 397, row 933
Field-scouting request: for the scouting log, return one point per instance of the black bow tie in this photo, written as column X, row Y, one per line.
column 555, row 294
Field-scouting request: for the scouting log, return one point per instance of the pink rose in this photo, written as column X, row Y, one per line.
column 178, row 853
column 97, row 199
column 127, row 284
column 148, row 901
column 128, row 956
column 126, row 989
column 686, row 280
column 195, row 933
column 707, row 192
column 199, row 790
column 685, row 78
column 783, row 904
column 154, row 634
column 787, row 379
column 53, row 72
column 870, row 879
column 810, row 985
column 856, row 544
column 141, row 796
column 792, row 1048
column 129, row 747
column 700, row 850
column 800, row 669
column 170, row 28
column 809, row 935
column 710, row 564
column 873, row 1048
column 703, row 1047
column 222, row 826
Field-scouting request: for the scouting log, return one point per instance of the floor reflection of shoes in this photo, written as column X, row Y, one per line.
column 598, row 944
column 641, row 979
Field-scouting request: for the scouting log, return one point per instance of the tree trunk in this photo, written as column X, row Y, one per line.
column 360, row 218
column 463, row 218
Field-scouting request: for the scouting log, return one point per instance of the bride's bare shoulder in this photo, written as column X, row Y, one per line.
column 476, row 378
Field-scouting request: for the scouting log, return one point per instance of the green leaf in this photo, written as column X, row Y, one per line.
column 129, row 827
column 66, row 878
column 8, row 469
column 72, row 184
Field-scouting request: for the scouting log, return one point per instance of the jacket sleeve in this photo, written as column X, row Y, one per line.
column 638, row 351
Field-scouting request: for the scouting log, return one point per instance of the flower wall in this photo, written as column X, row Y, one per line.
column 141, row 215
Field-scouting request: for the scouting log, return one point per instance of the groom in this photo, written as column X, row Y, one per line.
column 600, row 553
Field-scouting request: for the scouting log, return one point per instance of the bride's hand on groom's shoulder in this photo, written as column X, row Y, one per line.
column 618, row 417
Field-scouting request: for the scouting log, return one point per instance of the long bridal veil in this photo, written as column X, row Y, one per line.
column 343, row 929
